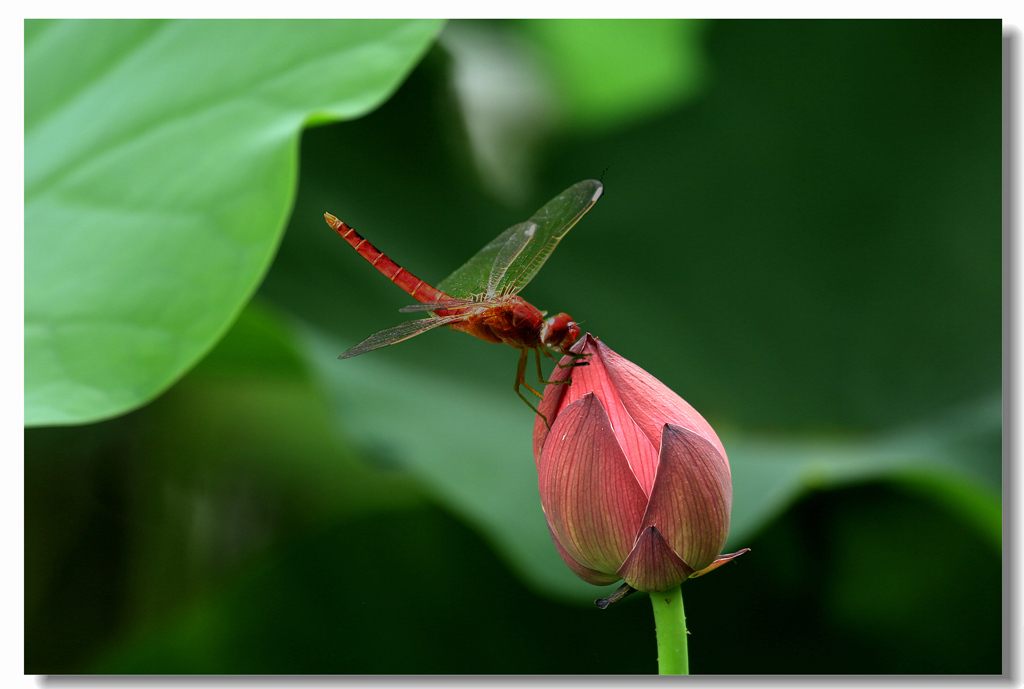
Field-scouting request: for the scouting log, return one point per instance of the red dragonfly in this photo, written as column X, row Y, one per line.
column 480, row 298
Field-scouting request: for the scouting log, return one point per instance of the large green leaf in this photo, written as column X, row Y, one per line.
column 160, row 166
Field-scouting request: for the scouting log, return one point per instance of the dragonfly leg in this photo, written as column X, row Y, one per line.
column 577, row 359
column 521, row 380
column 521, row 373
column 551, row 356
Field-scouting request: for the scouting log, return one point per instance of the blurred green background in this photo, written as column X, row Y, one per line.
column 800, row 235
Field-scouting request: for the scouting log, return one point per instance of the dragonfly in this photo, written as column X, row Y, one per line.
column 482, row 297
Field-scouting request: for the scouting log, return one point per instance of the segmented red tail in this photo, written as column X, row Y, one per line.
column 414, row 287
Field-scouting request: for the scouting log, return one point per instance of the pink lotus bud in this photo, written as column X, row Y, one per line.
column 634, row 483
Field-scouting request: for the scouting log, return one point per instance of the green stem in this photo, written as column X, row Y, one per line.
column 670, row 623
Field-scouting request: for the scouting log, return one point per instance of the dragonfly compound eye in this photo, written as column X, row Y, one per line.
column 560, row 331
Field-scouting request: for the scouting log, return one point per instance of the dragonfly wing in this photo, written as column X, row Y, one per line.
column 519, row 236
column 440, row 305
column 399, row 333
column 512, row 259
column 472, row 278
column 552, row 222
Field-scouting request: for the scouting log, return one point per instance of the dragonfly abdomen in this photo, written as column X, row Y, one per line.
column 418, row 289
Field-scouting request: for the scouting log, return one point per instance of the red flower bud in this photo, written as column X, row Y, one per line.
column 634, row 483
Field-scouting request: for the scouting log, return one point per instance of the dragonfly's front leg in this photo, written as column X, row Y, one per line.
column 577, row 360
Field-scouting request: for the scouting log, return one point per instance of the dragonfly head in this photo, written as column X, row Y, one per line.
column 559, row 332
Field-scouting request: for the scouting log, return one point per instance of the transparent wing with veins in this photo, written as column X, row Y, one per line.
column 443, row 305
column 399, row 333
column 508, row 263
column 518, row 240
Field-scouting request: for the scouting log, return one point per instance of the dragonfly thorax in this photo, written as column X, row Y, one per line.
column 516, row 322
